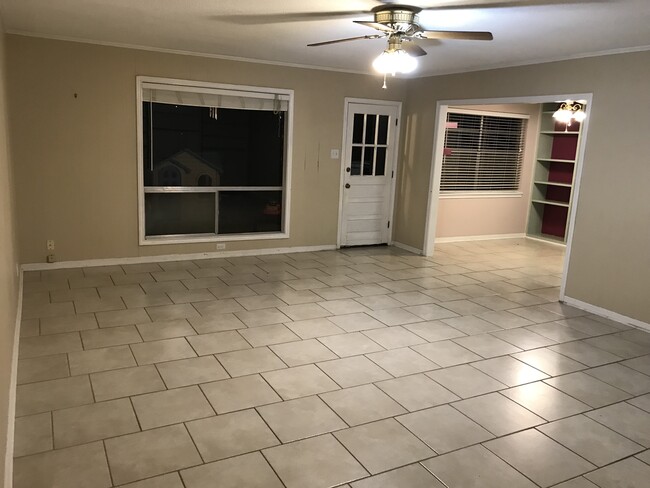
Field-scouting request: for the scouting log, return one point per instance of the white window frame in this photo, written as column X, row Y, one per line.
column 198, row 238
column 451, row 194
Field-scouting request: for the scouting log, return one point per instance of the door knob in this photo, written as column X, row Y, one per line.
column 347, row 185
column 348, row 169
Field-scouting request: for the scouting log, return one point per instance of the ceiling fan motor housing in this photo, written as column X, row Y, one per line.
column 400, row 18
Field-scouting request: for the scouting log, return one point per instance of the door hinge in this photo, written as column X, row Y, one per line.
column 388, row 224
column 392, row 174
column 396, row 121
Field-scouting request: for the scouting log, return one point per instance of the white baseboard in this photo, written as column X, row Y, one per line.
column 444, row 240
column 546, row 241
column 406, row 247
column 13, row 382
column 608, row 314
column 174, row 257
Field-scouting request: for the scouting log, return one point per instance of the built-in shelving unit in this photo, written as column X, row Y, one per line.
column 553, row 177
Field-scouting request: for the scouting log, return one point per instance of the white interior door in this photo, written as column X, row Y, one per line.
column 369, row 161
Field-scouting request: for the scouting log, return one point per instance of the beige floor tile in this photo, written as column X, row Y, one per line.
column 137, row 456
column 192, row 371
column 353, row 371
column 218, row 342
column 126, row 382
column 433, row 331
column 43, row 310
column 115, row 336
column 249, row 470
column 305, row 311
column 623, row 378
column 42, row 368
column 151, row 299
column 31, row 347
column 97, row 421
column 95, row 360
column 171, row 407
column 297, row 297
column 402, row 362
column 539, row 458
column 231, row 434
column 444, row 429
column 300, row 418
column 216, row 323
column 446, row 353
column 239, row 393
column 64, row 468
column 475, row 467
column 625, row 419
column 299, row 381
column 585, row 354
column 549, row 361
column 258, row 318
column 591, row 440
column 416, row 392
column 629, row 473
column 350, row 344
column 223, row 292
column 618, row 346
column 394, row 337
column 250, row 361
column 132, row 278
column 362, row 404
column 498, row 414
column 335, row 293
column 430, row 312
column 486, row 345
column 70, row 295
column 312, row 328
column 383, row 445
column 168, row 329
column 268, row 334
column 190, row 296
column 412, row 476
column 131, row 316
column 303, row 352
column 509, row 371
column 545, row 401
column 523, row 339
column 33, row 434
column 318, row 462
column 342, row 307
column 52, row 395
column 171, row 480
column 31, row 327
column 68, row 323
column 99, row 305
column 172, row 312
column 588, row 389
column 356, row 322
column 164, row 350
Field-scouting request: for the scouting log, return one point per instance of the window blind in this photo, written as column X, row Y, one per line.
column 206, row 97
column 482, row 152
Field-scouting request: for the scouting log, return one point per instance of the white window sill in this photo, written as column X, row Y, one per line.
column 487, row 194
column 162, row 240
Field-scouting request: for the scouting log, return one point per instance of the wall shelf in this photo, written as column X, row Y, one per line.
column 553, row 177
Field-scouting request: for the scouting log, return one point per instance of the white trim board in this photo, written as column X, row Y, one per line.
column 608, row 314
column 13, row 384
column 406, row 247
column 174, row 257
column 492, row 237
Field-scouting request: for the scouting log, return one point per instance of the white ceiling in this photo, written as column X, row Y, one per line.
column 525, row 31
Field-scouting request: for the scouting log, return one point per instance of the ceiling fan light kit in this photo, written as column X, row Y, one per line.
column 400, row 24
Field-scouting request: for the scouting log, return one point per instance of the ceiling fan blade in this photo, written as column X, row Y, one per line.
column 463, row 35
column 481, row 4
column 375, row 25
column 255, row 19
column 336, row 41
column 413, row 49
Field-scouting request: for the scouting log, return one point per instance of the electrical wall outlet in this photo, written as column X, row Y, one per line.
column 221, row 246
column 51, row 258
column 50, row 245
column 335, row 154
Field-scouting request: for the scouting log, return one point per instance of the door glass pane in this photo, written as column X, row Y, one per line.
column 355, row 163
column 357, row 133
column 380, row 164
column 179, row 213
column 371, row 126
column 368, row 156
column 382, row 136
column 250, row 211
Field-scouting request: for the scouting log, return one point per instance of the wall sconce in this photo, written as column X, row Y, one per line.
column 570, row 111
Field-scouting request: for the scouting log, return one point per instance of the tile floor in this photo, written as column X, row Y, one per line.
column 363, row 368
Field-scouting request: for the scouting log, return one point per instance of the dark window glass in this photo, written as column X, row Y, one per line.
column 380, row 164
column 250, row 211
column 179, row 213
column 371, row 125
column 357, row 133
column 239, row 148
column 368, row 156
column 382, row 136
column 204, row 180
column 355, row 163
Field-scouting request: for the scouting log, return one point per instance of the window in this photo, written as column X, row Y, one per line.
column 482, row 153
column 213, row 161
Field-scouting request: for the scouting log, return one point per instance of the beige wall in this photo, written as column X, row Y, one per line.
column 76, row 157
column 493, row 215
column 8, row 280
column 610, row 264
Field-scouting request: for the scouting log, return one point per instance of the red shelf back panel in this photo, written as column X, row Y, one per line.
column 564, row 146
column 560, row 173
column 558, row 193
column 554, row 220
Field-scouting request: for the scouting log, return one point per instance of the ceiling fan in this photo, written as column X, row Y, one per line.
column 400, row 23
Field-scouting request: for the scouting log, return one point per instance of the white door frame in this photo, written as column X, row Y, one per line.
column 344, row 155
column 436, row 166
